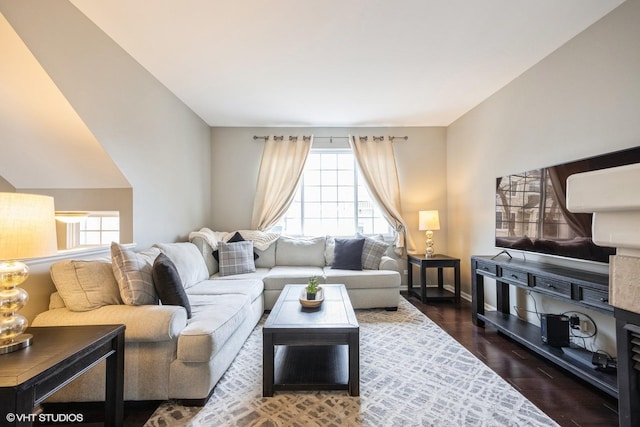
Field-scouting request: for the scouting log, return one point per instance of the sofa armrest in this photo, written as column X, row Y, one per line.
column 388, row 263
column 144, row 323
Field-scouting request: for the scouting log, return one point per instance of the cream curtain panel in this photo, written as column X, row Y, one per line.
column 377, row 163
column 281, row 167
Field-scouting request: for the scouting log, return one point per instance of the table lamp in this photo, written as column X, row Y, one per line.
column 27, row 230
column 429, row 221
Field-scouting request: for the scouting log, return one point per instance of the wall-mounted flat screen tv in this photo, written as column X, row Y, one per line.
column 531, row 212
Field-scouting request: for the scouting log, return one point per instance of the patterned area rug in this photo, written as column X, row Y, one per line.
column 412, row 373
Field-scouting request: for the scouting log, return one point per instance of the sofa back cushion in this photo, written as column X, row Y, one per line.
column 188, row 261
column 85, row 285
column 294, row 251
column 267, row 257
column 206, row 251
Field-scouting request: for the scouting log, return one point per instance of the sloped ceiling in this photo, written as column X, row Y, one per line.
column 45, row 144
column 283, row 63
column 339, row 62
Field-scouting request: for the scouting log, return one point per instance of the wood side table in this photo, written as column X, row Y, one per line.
column 57, row 356
column 431, row 293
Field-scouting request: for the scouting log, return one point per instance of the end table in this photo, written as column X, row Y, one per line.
column 431, row 293
column 57, row 356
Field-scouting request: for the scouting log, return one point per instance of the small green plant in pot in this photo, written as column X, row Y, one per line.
column 312, row 288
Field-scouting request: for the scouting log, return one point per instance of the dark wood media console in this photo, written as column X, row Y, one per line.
column 583, row 288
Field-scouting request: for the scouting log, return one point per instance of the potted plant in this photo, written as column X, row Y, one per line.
column 312, row 288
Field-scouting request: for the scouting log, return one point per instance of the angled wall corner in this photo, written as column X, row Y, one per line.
column 155, row 140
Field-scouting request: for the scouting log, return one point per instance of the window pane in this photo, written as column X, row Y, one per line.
column 329, row 194
column 345, row 194
column 329, row 177
column 329, row 210
column 312, row 177
column 91, row 223
column 90, row 238
column 346, row 178
column 346, row 161
column 333, row 198
column 110, row 236
column 345, row 210
column 312, row 194
column 313, row 161
column 111, row 223
column 345, row 227
column 329, row 161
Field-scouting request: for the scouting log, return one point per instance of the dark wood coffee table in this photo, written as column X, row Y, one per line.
column 311, row 348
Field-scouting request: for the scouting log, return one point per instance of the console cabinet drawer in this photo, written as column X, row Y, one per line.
column 552, row 286
column 595, row 297
column 515, row 276
column 486, row 268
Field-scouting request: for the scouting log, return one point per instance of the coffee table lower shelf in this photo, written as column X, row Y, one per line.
column 311, row 368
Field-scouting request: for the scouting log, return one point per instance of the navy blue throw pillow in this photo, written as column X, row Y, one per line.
column 348, row 254
column 168, row 283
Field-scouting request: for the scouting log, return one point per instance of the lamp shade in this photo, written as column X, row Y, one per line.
column 428, row 220
column 27, row 226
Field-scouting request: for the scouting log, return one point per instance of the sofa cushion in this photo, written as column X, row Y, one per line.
column 236, row 258
column 207, row 254
column 215, row 319
column 85, row 285
column 348, row 254
column 365, row 279
column 132, row 271
column 300, row 252
column 267, row 257
column 281, row 275
column 258, row 274
column 188, row 261
column 372, row 252
column 146, row 323
column 168, row 284
column 252, row 288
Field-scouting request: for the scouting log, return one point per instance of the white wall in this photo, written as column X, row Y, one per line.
column 160, row 145
column 580, row 101
column 421, row 163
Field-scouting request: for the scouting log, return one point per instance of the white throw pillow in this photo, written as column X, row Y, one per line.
column 133, row 272
column 85, row 285
column 188, row 260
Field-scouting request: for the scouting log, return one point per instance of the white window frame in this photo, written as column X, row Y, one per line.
column 358, row 186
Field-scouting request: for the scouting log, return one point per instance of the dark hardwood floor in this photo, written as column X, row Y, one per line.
column 565, row 398
column 562, row 396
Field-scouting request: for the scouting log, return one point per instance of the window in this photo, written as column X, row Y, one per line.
column 87, row 228
column 100, row 228
column 332, row 199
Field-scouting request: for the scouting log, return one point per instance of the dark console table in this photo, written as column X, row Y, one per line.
column 628, row 342
column 574, row 286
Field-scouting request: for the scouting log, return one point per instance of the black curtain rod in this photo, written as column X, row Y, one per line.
column 378, row 138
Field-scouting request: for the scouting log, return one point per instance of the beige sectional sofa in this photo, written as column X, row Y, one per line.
column 169, row 355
